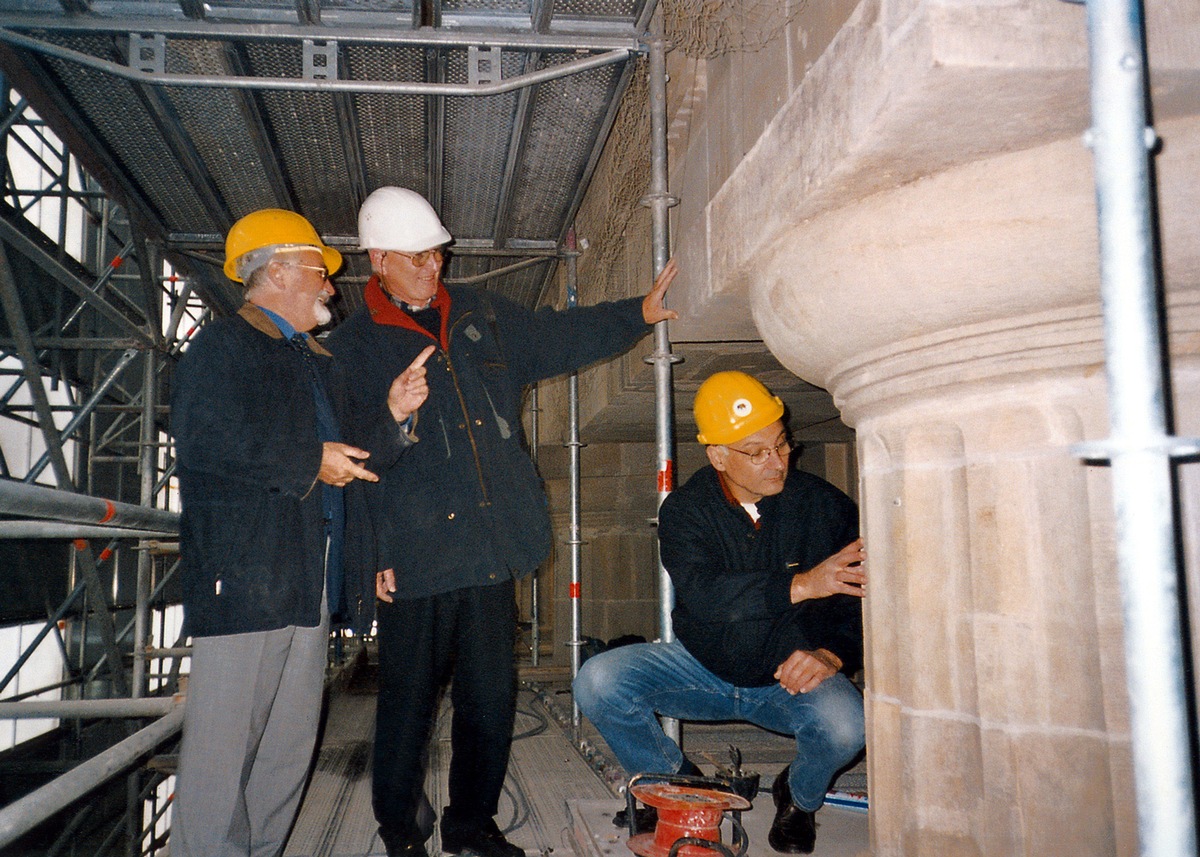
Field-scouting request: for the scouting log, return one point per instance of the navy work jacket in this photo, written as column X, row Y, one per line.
column 252, row 534
column 732, row 578
column 464, row 506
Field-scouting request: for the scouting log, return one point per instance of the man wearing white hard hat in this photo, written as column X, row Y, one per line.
column 462, row 515
column 767, row 568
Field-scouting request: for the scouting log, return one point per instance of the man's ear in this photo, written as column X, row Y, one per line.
column 275, row 275
column 376, row 257
column 716, row 456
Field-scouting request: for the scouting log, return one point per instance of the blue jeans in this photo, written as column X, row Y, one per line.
column 622, row 690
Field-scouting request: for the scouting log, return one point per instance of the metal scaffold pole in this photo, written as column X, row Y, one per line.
column 24, row 814
column 574, row 540
column 1139, row 448
column 535, row 616
column 147, row 460
column 660, row 202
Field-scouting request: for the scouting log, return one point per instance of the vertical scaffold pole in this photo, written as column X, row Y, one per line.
column 535, row 617
column 148, row 475
column 573, row 444
column 660, row 202
column 1139, row 447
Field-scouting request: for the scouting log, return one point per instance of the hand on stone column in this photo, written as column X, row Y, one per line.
column 841, row 574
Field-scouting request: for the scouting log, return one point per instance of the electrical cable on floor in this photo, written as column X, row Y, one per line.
column 542, row 724
column 520, row 815
column 602, row 762
column 521, row 810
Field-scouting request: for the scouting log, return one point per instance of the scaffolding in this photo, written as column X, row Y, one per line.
column 94, row 319
column 97, row 313
column 107, row 324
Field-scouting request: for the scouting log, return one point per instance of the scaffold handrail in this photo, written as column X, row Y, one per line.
column 39, row 501
column 26, row 813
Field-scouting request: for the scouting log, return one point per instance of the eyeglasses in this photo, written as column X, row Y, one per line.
column 760, row 456
column 324, row 272
column 419, row 260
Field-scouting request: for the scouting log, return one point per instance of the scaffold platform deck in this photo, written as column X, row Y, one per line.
column 561, row 793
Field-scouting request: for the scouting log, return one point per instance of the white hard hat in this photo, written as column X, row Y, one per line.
column 396, row 218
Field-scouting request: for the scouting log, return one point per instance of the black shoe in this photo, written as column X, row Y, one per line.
column 483, row 841
column 794, row 830
column 399, row 846
column 645, row 818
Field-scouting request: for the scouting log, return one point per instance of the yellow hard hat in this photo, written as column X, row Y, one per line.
column 732, row 405
column 269, row 227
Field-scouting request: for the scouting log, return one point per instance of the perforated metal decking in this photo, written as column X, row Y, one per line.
column 545, row 771
column 193, row 114
column 555, row 802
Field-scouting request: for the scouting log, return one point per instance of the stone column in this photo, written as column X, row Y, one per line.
column 996, row 691
column 967, row 352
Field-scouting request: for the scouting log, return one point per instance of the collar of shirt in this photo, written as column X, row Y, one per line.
column 410, row 308
column 285, row 327
column 383, row 311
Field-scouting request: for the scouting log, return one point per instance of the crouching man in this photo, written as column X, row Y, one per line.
column 768, row 572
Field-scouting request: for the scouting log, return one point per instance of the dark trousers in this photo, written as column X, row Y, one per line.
column 467, row 636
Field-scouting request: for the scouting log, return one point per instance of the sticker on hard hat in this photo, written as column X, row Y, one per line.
column 742, row 407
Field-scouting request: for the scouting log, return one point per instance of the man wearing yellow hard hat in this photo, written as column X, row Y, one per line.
column 767, row 568
column 256, row 414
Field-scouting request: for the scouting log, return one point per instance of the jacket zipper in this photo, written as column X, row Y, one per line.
column 462, row 403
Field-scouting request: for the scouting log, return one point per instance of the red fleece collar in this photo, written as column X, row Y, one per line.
column 383, row 311
column 734, row 501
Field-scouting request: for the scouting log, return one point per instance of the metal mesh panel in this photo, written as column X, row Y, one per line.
column 215, row 124
column 496, row 6
column 478, row 134
column 522, row 286
column 349, row 282
column 628, row 9
column 119, row 118
column 391, row 127
column 34, row 6
column 121, row 8
column 567, row 116
column 458, row 266
column 399, row 7
column 273, row 5
column 304, row 126
column 525, row 286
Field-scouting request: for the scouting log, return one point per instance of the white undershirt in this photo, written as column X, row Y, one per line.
column 751, row 510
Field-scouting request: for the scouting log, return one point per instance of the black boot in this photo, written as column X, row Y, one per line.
column 794, row 830
column 398, row 845
column 481, row 838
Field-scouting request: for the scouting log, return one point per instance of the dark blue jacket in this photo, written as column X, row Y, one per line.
column 732, row 579
column 465, row 506
column 252, row 534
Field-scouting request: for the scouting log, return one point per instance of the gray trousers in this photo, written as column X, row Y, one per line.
column 249, row 726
